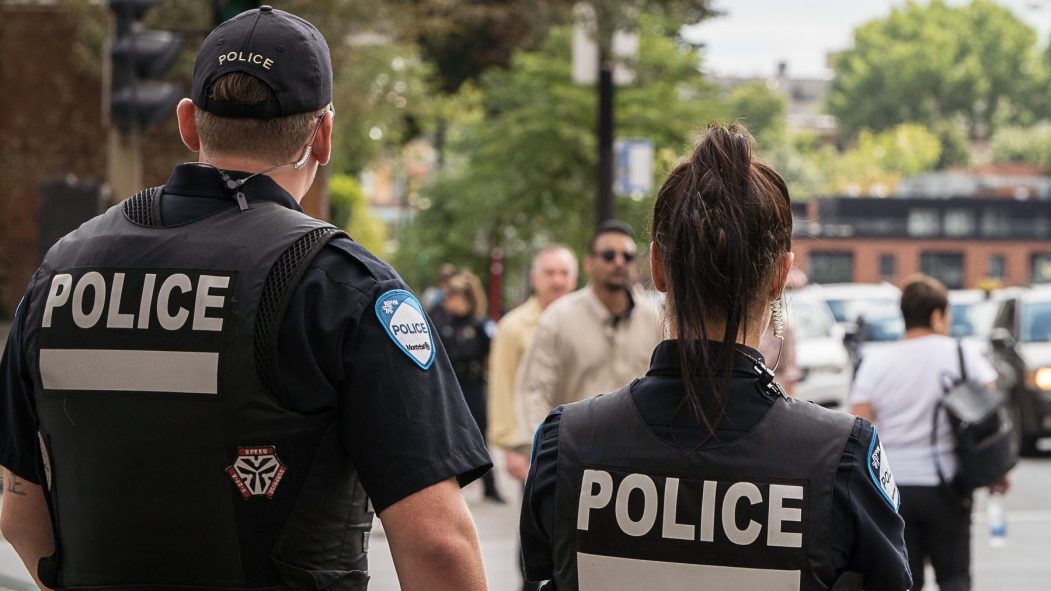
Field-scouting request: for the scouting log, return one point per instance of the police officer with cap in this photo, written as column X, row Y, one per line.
column 703, row 474
column 204, row 388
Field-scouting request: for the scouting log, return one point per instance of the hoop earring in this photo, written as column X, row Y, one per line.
column 299, row 164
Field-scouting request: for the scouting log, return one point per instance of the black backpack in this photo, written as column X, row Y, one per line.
column 986, row 447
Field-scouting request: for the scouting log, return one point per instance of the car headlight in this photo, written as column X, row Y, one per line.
column 1041, row 378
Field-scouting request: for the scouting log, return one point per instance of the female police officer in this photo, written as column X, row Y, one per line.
column 703, row 474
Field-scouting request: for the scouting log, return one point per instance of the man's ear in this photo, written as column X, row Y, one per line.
column 186, row 112
column 660, row 281
column 322, row 146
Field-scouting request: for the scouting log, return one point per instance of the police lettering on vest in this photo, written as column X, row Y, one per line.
column 156, row 296
column 634, row 527
column 641, row 504
column 124, row 330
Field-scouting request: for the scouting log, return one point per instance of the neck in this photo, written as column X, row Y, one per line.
column 294, row 182
column 915, row 333
column 616, row 300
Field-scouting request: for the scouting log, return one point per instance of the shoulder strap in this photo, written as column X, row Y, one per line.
column 963, row 366
column 280, row 284
column 141, row 208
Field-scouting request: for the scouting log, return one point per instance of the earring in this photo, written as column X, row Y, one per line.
column 299, row 164
column 777, row 317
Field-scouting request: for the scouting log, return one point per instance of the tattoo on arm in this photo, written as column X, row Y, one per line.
column 13, row 485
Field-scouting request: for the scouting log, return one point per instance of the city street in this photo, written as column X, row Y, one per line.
column 1021, row 565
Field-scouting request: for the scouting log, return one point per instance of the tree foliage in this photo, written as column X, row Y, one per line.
column 523, row 172
column 762, row 110
column 931, row 63
column 350, row 211
column 1030, row 145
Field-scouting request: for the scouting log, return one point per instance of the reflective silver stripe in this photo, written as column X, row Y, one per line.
column 597, row 573
column 129, row 370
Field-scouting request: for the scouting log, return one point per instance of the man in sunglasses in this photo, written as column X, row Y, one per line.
column 593, row 340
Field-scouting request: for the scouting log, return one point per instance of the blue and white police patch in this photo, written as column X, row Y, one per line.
column 403, row 318
column 879, row 472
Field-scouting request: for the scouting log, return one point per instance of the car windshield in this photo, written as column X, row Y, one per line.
column 973, row 319
column 809, row 320
column 882, row 328
column 1036, row 322
column 848, row 310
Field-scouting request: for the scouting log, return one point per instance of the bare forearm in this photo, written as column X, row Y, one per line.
column 26, row 523
column 433, row 541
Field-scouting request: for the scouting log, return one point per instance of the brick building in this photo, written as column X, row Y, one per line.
column 962, row 241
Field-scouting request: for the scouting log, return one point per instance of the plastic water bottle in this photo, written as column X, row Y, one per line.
column 997, row 523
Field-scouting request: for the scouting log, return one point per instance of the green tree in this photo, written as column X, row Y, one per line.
column 350, row 211
column 524, row 173
column 878, row 161
column 931, row 63
column 1030, row 145
column 762, row 110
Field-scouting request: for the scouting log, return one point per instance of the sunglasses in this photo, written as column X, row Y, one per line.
column 611, row 255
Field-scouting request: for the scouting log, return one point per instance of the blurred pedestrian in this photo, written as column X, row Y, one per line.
column 432, row 296
column 898, row 388
column 462, row 326
column 552, row 274
column 593, row 340
column 703, row 474
column 205, row 388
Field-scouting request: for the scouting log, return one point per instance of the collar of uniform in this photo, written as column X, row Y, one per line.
column 665, row 359
column 197, row 180
column 603, row 312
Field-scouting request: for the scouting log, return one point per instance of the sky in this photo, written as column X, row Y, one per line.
column 754, row 35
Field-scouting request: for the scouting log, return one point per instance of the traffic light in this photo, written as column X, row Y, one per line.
column 225, row 10
column 137, row 100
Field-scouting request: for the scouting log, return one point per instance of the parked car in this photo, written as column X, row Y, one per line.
column 848, row 301
column 820, row 354
column 1020, row 346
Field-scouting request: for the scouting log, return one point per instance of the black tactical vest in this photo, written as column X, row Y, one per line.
column 172, row 462
column 633, row 511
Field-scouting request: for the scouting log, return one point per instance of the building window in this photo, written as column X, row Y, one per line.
column 887, row 264
column 924, row 222
column 959, row 222
column 831, row 267
column 946, row 267
column 995, row 223
column 1040, row 268
column 997, row 267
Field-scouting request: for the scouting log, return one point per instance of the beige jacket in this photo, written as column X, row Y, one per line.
column 580, row 350
column 513, row 334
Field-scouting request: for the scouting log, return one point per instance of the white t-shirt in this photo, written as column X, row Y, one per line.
column 903, row 382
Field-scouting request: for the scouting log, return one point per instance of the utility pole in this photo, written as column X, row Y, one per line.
column 604, row 196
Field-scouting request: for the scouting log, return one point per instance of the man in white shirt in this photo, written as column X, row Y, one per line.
column 898, row 389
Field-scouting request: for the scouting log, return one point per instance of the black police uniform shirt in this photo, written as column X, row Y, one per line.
column 404, row 429
column 867, row 534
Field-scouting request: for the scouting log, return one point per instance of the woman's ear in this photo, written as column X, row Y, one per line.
column 783, row 268
column 660, row 282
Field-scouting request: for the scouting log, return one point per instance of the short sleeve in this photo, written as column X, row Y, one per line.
column 19, row 450
column 864, row 385
column 404, row 427
column 405, row 424
column 979, row 370
column 869, row 535
column 537, row 521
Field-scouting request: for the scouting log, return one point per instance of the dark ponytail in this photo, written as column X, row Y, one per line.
column 722, row 221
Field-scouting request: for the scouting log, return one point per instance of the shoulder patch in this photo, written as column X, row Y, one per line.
column 879, row 472
column 403, row 318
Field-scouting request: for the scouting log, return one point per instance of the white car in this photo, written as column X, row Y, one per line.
column 824, row 365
